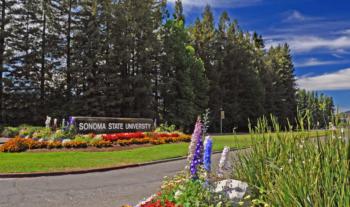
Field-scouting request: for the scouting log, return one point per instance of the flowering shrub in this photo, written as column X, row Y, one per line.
column 75, row 144
column 101, row 144
column 121, row 136
column 15, row 145
column 83, row 141
column 158, row 135
column 159, row 203
column 157, row 141
column 44, row 133
column 54, row 145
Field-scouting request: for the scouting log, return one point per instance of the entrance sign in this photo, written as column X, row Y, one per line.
column 100, row 125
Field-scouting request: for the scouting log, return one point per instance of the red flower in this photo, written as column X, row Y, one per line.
column 121, row 136
column 158, row 203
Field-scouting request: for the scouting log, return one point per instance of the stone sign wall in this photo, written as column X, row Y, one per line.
column 101, row 125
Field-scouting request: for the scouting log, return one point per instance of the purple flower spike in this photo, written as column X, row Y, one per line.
column 208, row 145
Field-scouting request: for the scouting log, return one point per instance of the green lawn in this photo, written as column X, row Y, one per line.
column 61, row 161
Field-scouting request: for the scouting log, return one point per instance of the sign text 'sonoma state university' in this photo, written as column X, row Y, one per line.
column 110, row 125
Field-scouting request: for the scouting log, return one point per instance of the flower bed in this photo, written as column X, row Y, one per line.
column 123, row 136
column 195, row 186
column 58, row 141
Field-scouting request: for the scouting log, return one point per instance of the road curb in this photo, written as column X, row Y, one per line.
column 77, row 172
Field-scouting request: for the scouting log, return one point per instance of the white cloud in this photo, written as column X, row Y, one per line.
column 295, row 16
column 301, row 44
column 339, row 80
column 218, row 3
column 316, row 62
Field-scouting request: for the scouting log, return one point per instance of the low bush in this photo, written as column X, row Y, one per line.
column 15, row 145
column 101, row 144
column 165, row 128
column 54, row 145
column 83, row 138
column 10, row 132
column 43, row 133
column 75, row 144
column 59, row 135
column 189, row 193
column 157, row 141
column 121, row 136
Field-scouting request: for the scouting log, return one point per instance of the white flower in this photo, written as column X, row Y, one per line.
column 178, row 194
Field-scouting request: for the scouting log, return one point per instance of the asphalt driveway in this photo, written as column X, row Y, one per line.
column 103, row 189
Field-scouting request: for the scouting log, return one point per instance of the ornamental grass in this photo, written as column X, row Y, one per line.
column 294, row 170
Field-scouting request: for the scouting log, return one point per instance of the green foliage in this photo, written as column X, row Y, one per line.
column 59, row 135
column 10, row 132
column 194, row 193
column 44, row 133
column 28, row 131
column 130, row 59
column 166, row 128
column 292, row 170
column 84, row 138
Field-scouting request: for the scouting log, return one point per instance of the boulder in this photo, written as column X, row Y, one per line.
column 234, row 189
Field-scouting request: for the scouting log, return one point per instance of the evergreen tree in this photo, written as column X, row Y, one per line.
column 280, row 63
column 176, row 86
column 7, row 11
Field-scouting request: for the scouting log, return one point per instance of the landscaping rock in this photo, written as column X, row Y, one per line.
column 234, row 189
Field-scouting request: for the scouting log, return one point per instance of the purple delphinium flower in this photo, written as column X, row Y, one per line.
column 196, row 161
column 194, row 139
column 71, row 120
column 208, row 144
column 197, row 155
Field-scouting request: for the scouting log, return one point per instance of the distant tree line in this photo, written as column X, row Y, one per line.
column 131, row 58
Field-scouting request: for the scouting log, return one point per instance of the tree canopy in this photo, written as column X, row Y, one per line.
column 131, row 58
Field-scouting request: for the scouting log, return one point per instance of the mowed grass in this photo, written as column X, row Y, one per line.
column 27, row 162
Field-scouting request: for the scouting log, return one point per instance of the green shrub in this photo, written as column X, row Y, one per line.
column 28, row 131
column 193, row 193
column 166, row 128
column 59, row 135
column 10, row 132
column 83, row 138
column 42, row 133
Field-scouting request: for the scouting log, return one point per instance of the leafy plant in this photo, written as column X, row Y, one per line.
column 191, row 193
column 28, row 131
column 166, row 128
column 291, row 169
column 43, row 133
column 59, row 135
column 10, row 132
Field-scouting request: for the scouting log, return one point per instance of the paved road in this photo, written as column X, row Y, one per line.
column 106, row 189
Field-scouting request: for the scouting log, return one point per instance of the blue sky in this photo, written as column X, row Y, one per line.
column 318, row 32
